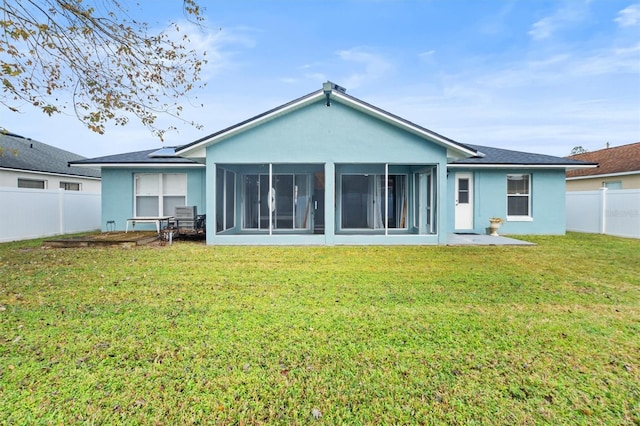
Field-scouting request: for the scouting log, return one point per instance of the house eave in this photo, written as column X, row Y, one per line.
column 454, row 149
column 517, row 166
column 197, row 149
column 141, row 165
column 607, row 175
column 39, row 172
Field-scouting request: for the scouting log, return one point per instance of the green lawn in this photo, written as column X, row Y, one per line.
column 324, row 335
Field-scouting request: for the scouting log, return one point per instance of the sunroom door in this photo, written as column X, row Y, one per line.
column 464, row 201
column 283, row 205
column 424, row 202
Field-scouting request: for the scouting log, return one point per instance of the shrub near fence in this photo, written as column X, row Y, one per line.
column 606, row 211
column 36, row 213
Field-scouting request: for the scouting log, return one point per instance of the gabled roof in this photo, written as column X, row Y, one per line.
column 623, row 159
column 147, row 158
column 454, row 149
column 20, row 153
column 497, row 157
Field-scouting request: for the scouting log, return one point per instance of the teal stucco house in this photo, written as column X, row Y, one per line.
column 328, row 168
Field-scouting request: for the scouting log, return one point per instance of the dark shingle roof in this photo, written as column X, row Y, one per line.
column 27, row 154
column 499, row 156
column 138, row 157
column 619, row 159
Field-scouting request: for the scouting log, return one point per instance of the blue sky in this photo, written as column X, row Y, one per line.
column 538, row 76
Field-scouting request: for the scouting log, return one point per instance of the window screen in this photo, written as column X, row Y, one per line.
column 518, row 195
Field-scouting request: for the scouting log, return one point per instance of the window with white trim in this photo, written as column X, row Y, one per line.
column 518, row 195
column 32, row 183
column 70, row 186
column 158, row 194
column 612, row 184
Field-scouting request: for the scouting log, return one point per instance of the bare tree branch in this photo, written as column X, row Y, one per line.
column 112, row 65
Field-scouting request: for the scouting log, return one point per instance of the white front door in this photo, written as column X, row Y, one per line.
column 464, row 201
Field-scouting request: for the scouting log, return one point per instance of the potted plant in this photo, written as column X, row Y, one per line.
column 494, row 225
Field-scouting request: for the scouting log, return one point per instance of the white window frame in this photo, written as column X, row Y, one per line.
column 64, row 185
column 42, row 181
column 612, row 184
column 160, row 192
column 520, row 218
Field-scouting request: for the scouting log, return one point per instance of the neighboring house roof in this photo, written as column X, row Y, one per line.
column 497, row 157
column 152, row 157
column 623, row 159
column 24, row 154
column 454, row 149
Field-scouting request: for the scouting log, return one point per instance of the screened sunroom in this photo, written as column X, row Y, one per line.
column 297, row 199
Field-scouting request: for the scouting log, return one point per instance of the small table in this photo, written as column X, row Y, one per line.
column 147, row 219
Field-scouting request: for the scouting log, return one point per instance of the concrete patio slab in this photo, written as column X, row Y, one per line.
column 484, row 240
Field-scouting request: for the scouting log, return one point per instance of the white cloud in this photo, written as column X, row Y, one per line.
column 222, row 45
column 375, row 67
column 629, row 16
column 566, row 15
column 542, row 29
column 546, row 104
column 427, row 54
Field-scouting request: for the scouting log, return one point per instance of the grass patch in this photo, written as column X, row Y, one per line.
column 328, row 335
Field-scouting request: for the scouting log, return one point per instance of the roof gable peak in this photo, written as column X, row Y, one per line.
column 329, row 93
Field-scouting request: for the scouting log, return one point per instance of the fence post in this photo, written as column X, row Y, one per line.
column 603, row 210
column 61, row 211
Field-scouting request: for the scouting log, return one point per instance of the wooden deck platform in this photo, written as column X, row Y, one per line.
column 129, row 239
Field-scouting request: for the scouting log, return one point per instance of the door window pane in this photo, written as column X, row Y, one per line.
column 302, row 203
column 283, row 213
column 463, row 191
column 364, row 203
column 356, row 201
column 251, row 215
column 267, row 201
column 287, row 203
column 230, row 194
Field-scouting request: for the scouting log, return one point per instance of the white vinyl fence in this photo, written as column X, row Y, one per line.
column 36, row 213
column 605, row 211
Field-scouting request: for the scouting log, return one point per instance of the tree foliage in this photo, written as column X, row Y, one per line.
column 578, row 150
column 92, row 58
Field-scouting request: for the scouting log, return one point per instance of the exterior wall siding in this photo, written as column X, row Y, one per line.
column 320, row 134
column 490, row 200
column 118, row 193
